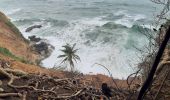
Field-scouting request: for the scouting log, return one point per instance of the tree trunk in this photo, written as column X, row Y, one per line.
column 149, row 79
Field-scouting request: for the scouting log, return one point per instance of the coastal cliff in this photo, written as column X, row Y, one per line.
column 12, row 39
column 20, row 71
column 18, row 63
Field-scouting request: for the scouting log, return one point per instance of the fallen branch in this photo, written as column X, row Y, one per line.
column 135, row 73
column 109, row 74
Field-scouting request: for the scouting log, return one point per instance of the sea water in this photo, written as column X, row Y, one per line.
column 105, row 31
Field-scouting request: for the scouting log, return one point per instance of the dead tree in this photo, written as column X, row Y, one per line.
column 149, row 79
column 164, row 12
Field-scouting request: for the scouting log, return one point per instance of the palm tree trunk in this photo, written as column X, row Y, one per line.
column 149, row 79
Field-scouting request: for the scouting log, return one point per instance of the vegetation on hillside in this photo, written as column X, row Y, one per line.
column 6, row 52
column 153, row 66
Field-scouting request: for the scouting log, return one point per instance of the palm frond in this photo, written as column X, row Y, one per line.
column 75, row 50
column 64, row 60
column 64, row 51
column 77, row 57
column 61, row 56
column 73, row 46
column 69, row 55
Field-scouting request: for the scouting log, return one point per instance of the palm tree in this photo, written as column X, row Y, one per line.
column 69, row 55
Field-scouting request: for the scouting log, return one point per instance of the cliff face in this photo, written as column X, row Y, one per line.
column 14, row 49
column 12, row 39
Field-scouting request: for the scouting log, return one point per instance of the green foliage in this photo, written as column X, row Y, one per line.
column 6, row 52
column 69, row 55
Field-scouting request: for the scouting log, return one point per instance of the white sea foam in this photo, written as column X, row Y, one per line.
column 94, row 21
column 120, row 12
column 150, row 27
column 128, row 20
column 110, row 55
column 124, row 22
column 138, row 17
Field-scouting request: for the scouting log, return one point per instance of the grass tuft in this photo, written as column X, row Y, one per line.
column 6, row 52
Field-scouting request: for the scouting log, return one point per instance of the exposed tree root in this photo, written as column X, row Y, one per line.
column 65, row 97
column 4, row 73
column 15, row 72
column 10, row 94
column 46, row 87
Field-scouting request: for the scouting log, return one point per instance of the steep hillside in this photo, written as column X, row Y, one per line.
column 12, row 39
column 17, row 52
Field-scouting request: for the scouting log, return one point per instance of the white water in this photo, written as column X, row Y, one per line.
column 102, row 30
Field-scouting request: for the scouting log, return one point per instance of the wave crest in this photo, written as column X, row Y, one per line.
column 112, row 25
column 53, row 22
column 138, row 28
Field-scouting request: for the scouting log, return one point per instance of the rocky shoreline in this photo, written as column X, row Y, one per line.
column 41, row 46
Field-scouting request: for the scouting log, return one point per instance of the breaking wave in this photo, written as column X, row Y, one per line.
column 104, row 31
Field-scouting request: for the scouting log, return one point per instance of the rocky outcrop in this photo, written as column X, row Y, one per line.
column 34, row 38
column 44, row 49
column 29, row 29
column 41, row 46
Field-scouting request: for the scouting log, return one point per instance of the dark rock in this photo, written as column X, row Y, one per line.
column 34, row 38
column 43, row 48
column 32, row 27
column 154, row 29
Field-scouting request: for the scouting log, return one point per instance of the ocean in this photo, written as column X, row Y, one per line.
column 105, row 31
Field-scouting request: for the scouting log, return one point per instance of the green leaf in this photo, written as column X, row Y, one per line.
column 60, row 56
